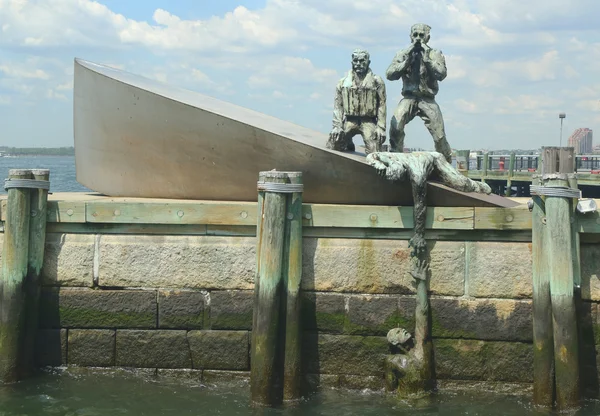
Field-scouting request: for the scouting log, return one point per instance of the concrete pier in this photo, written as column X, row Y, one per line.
column 168, row 284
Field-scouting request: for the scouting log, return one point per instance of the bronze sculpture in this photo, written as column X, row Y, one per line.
column 359, row 107
column 413, row 371
column 421, row 68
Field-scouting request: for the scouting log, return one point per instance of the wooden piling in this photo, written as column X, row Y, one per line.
column 543, row 341
column 14, row 272
column 462, row 161
column 279, row 261
column 555, row 256
column 486, row 163
column 37, row 242
column 559, row 213
column 511, row 173
column 292, row 278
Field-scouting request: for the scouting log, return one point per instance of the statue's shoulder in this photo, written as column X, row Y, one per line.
column 437, row 52
column 346, row 80
column 378, row 80
column 403, row 52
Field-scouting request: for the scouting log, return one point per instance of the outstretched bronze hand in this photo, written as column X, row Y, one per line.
column 418, row 244
column 419, row 271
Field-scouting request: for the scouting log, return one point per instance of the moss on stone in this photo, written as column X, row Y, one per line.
column 233, row 321
column 596, row 330
column 393, row 321
column 484, row 360
column 183, row 321
column 438, row 329
column 330, row 322
column 94, row 318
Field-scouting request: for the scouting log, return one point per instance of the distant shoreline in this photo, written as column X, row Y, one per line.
column 36, row 151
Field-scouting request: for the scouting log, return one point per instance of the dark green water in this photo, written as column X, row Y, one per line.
column 131, row 394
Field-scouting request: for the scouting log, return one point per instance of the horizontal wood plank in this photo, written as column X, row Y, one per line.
column 450, row 218
column 435, row 235
column 67, row 212
column 222, row 215
column 589, row 223
column 318, row 215
column 171, row 213
column 315, row 215
column 152, row 229
column 308, row 232
column 502, row 219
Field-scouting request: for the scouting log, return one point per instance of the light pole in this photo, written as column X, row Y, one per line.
column 561, row 116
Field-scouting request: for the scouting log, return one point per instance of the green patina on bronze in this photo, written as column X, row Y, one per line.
column 413, row 373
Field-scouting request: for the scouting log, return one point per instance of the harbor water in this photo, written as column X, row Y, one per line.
column 102, row 392
column 124, row 393
column 62, row 170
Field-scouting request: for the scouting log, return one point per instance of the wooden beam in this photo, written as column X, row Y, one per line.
column 502, row 219
column 360, row 216
column 65, row 211
column 235, row 213
column 588, row 223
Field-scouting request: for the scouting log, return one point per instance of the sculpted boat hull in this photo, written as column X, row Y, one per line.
column 135, row 137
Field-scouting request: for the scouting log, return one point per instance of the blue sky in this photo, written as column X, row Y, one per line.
column 512, row 65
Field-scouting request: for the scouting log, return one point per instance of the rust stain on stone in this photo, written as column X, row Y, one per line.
column 401, row 255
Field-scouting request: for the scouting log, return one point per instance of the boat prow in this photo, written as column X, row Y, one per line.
column 136, row 137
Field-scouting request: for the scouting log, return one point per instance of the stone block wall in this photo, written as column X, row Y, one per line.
column 185, row 302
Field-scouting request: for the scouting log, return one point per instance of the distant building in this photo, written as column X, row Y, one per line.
column 582, row 141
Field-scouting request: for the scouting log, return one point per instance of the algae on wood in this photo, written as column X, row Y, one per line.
column 292, row 278
column 275, row 351
column 37, row 243
column 12, row 281
column 556, row 272
column 543, row 341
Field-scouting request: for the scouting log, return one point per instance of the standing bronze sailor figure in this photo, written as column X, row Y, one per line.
column 359, row 107
column 421, row 68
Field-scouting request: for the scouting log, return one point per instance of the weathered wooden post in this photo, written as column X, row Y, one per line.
column 462, row 161
column 559, row 214
column 554, row 252
column 292, row 377
column 37, row 243
column 511, row 172
column 14, row 273
column 279, row 262
column 486, row 164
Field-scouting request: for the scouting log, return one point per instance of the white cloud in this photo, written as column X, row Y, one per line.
column 468, row 106
column 457, row 67
column 520, row 104
column 290, row 23
column 20, row 72
column 5, row 100
column 53, row 95
column 505, row 58
column 281, row 70
column 67, row 86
